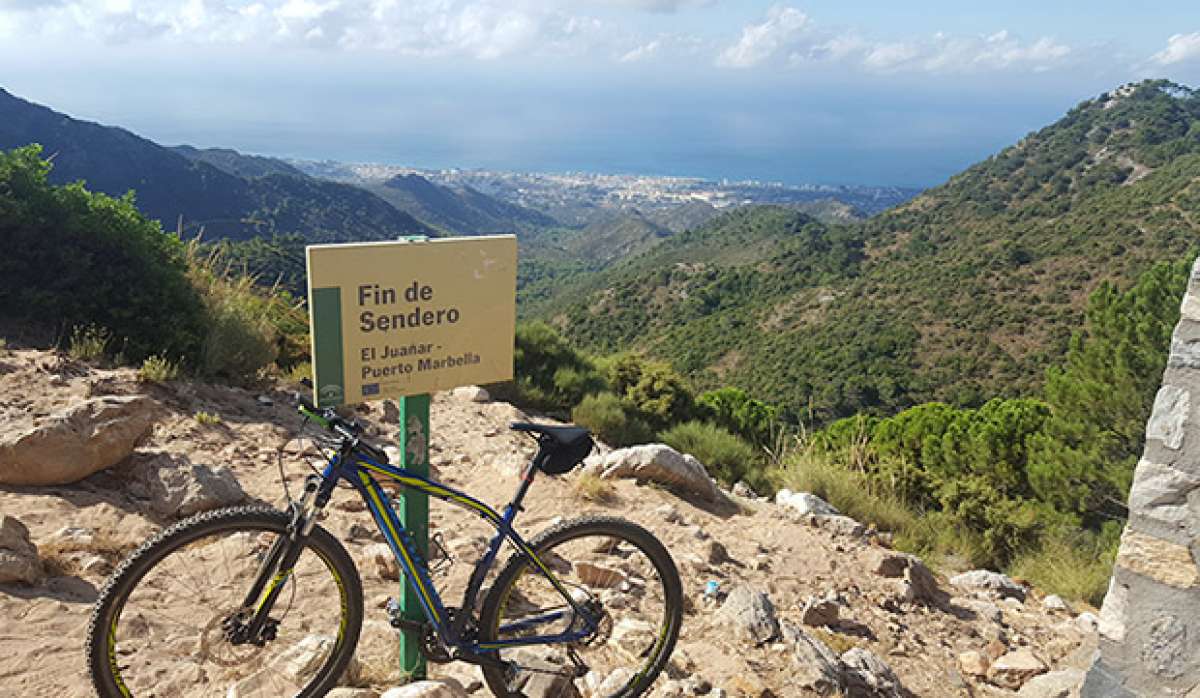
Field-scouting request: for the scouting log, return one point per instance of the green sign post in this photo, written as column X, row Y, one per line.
column 403, row 319
column 414, row 514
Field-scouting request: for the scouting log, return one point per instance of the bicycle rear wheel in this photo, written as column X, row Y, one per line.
column 161, row 624
column 626, row 579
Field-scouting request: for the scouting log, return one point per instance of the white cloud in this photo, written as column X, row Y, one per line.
column 642, row 52
column 483, row 29
column 783, row 30
column 1180, row 48
column 787, row 36
column 497, row 29
column 665, row 6
column 887, row 57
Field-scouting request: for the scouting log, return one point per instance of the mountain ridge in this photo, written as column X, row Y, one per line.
column 967, row 292
column 176, row 189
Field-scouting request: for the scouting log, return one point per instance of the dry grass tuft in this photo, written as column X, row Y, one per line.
column 592, row 488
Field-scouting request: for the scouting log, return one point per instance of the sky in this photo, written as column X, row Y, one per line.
column 870, row 92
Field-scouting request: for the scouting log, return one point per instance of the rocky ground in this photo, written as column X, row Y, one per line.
column 807, row 602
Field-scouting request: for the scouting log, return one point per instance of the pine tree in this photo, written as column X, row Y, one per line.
column 1101, row 397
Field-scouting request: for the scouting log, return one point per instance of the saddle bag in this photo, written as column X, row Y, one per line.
column 562, row 458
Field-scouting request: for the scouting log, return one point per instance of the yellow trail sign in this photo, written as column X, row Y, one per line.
column 406, row 318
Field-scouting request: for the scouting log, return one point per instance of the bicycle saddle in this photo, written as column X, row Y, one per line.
column 567, row 435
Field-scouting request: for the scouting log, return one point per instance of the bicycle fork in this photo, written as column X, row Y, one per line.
column 252, row 622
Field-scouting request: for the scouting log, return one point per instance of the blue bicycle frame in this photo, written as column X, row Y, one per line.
column 359, row 469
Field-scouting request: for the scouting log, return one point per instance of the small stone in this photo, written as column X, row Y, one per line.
column 19, row 561
column 741, row 489
column 391, row 412
column 1054, row 602
column 989, row 582
column 1012, row 670
column 996, row 646
column 385, row 562
column 435, row 688
column 716, row 553
column 358, row 531
column 1087, row 622
column 632, row 636
column 820, row 611
column 472, row 393
column 1056, row 684
column 751, row 614
column 264, row 400
column 865, row 674
column 299, row 662
column 840, row 525
column 985, row 609
column 804, row 503
column 668, row 513
column 598, row 576
column 973, row 663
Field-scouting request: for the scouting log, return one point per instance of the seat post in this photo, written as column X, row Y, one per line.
column 528, row 475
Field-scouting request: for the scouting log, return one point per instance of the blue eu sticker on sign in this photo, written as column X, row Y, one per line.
column 370, row 389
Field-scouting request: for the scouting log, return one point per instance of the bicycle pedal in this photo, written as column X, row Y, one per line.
column 399, row 622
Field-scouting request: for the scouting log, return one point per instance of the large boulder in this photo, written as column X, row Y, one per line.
column 19, row 561
column 658, row 463
column 68, row 446
column 750, row 614
column 177, row 487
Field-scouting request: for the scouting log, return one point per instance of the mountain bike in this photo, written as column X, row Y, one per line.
column 257, row 601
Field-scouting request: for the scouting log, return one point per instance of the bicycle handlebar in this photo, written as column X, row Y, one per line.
column 327, row 417
column 348, row 429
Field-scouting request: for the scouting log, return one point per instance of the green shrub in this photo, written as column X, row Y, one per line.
column 735, row 410
column 157, row 369
column 242, row 331
column 302, row 371
column 208, row 418
column 79, row 258
column 549, row 373
column 607, row 416
column 89, row 343
column 654, row 389
column 727, row 457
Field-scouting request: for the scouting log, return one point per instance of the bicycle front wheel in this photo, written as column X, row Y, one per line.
column 162, row 624
column 629, row 587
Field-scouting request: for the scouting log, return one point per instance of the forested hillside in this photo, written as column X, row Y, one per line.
column 966, row 293
column 205, row 189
